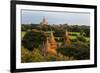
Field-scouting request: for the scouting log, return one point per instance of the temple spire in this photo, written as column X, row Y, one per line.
column 44, row 21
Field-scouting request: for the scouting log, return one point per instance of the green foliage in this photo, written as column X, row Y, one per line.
column 74, row 34
column 36, row 56
column 31, row 56
column 46, row 28
column 33, row 36
column 22, row 34
column 59, row 33
column 33, row 39
column 81, row 38
column 25, row 55
column 74, row 40
column 79, row 51
column 58, row 57
column 87, row 32
column 25, row 27
column 71, row 28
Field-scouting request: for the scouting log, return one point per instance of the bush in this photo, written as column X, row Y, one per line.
column 81, row 38
column 74, row 40
column 58, row 57
column 33, row 39
column 36, row 56
column 25, row 55
column 59, row 33
column 72, row 34
column 31, row 56
column 83, row 54
column 79, row 51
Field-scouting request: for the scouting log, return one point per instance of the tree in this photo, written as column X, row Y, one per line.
column 78, row 50
column 33, row 39
column 87, row 32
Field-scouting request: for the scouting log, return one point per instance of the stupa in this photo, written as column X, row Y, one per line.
column 44, row 21
column 66, row 39
column 50, row 46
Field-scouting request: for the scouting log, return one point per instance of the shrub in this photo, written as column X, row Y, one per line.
column 25, row 55
column 59, row 33
column 81, row 38
column 36, row 56
column 79, row 51
column 33, row 39
column 72, row 34
column 74, row 40
column 31, row 56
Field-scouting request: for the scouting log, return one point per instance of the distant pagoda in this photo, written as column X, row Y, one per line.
column 44, row 22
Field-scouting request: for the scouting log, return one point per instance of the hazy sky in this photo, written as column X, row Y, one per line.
column 31, row 16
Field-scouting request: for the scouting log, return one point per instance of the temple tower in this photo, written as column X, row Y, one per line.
column 50, row 45
column 66, row 39
column 44, row 21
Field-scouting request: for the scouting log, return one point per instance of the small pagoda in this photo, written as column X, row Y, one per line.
column 50, row 45
column 66, row 39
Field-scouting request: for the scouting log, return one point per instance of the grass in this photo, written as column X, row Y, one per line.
column 77, row 33
column 72, row 37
